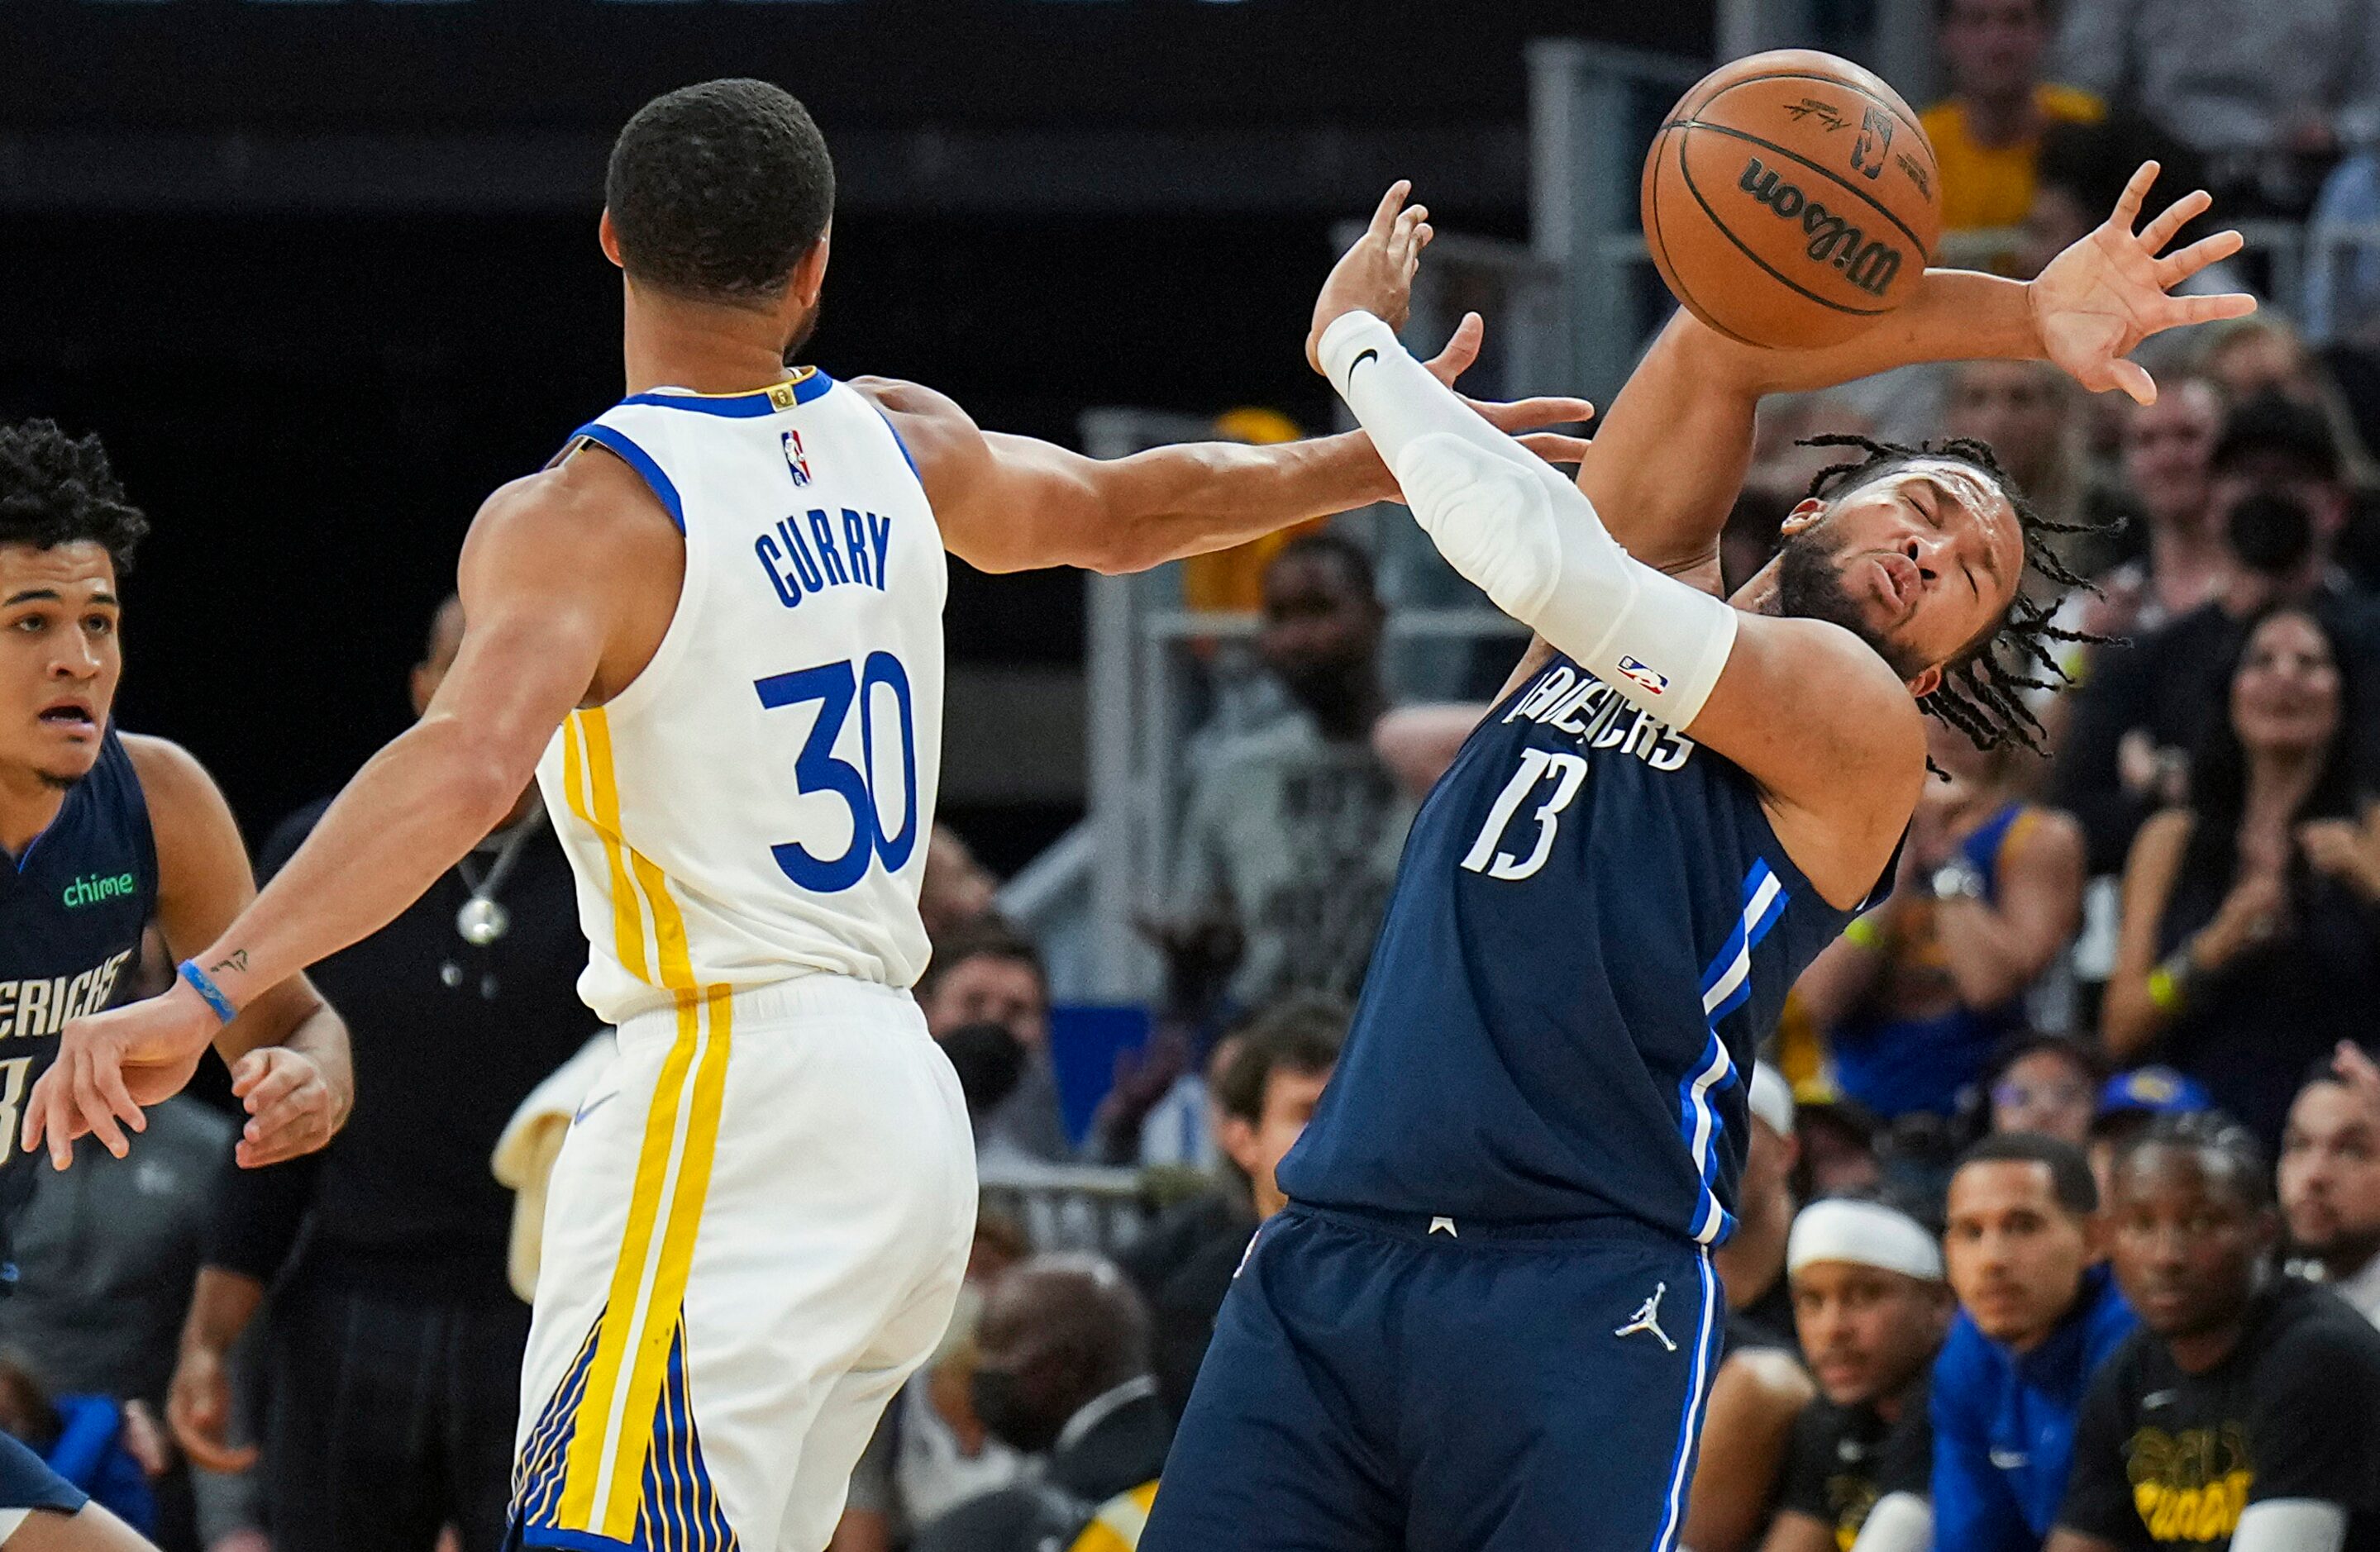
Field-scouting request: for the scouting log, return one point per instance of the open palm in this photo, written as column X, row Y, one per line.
column 2100, row 299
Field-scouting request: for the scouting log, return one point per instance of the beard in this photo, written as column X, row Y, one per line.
column 1810, row 587
column 801, row 339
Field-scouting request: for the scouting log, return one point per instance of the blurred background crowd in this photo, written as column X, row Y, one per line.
column 2164, row 936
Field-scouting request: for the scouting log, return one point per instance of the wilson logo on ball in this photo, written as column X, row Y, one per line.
column 1871, row 266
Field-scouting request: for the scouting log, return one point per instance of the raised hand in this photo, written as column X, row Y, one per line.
column 2101, row 297
column 1375, row 275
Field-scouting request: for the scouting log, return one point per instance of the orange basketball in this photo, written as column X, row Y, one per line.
column 1790, row 199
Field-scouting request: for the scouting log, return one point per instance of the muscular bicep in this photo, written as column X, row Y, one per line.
column 542, row 638
column 1834, row 739
column 1669, row 457
column 2041, row 891
column 1003, row 502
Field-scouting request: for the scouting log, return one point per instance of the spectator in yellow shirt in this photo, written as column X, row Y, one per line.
column 1987, row 132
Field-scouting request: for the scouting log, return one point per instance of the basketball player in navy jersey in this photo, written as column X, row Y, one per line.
column 1488, row 1318
column 104, row 833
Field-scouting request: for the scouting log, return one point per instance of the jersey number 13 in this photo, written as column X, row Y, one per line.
column 1488, row 854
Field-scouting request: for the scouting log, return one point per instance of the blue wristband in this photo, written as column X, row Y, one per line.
column 203, row 983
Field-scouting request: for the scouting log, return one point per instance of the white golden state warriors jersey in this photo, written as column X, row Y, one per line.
column 754, row 806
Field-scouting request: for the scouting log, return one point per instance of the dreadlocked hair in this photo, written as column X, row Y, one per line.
column 1981, row 691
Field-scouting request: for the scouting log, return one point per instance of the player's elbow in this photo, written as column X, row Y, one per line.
column 481, row 774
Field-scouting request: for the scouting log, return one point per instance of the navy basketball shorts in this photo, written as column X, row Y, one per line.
column 1382, row 1383
column 25, row 1483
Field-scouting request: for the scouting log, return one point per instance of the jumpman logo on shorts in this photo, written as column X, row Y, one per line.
column 1648, row 1318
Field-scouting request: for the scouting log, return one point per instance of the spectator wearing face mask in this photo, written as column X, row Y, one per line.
column 987, row 1001
column 1871, row 1307
column 2329, row 1176
column 1061, row 1372
column 2251, row 915
column 2282, row 503
column 2038, row 1316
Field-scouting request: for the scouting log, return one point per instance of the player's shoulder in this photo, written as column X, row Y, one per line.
column 940, row 437
column 170, row 775
column 589, row 505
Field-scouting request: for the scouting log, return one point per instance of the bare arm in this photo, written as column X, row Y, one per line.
column 198, row 1407
column 541, row 639
column 1747, row 1428
column 1845, row 971
column 2129, row 1017
column 1698, row 389
column 1995, row 951
column 1417, row 742
column 203, row 881
column 1011, row 502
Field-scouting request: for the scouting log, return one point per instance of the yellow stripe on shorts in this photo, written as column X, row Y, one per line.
column 603, row 1473
column 599, row 811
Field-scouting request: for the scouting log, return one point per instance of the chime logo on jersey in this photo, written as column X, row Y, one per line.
column 1648, row 680
column 795, row 459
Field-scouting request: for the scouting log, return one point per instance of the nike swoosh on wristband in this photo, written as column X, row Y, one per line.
column 1367, row 354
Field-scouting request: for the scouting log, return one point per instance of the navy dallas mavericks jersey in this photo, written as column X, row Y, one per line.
column 1593, row 927
column 72, row 910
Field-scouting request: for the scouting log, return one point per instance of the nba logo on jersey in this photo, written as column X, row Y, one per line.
column 795, row 459
column 1651, row 681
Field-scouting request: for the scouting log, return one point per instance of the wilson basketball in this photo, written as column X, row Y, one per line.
column 1790, row 199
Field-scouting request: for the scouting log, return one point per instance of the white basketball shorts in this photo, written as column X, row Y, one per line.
column 755, row 1233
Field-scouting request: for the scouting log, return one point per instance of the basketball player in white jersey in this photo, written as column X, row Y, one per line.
column 713, row 627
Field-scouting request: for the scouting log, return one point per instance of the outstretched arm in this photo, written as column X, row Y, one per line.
column 1672, row 450
column 1011, row 502
column 288, row 1051
column 537, row 644
column 1811, row 712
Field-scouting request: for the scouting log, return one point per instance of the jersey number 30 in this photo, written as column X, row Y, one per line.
column 818, row 770
column 1488, row 853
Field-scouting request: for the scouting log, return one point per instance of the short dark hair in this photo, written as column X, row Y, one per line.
column 987, row 938
column 2035, row 1042
column 59, row 490
column 1299, row 1034
column 2209, row 1134
column 716, row 191
column 1329, row 543
column 2273, row 422
column 1982, row 690
column 2070, row 1171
